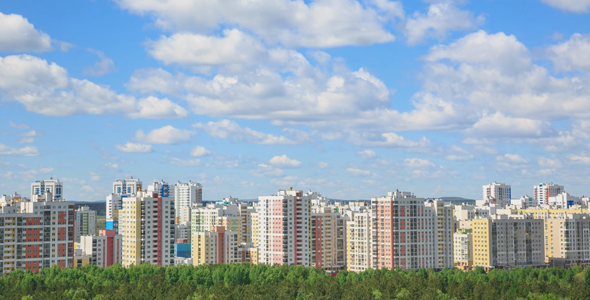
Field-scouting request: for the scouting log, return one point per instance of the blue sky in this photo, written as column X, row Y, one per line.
column 349, row 98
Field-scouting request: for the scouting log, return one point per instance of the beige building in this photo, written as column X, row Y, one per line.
column 328, row 239
column 359, row 242
column 255, row 229
column 463, row 249
column 215, row 246
column 223, row 213
column 567, row 240
column 146, row 223
column 508, row 241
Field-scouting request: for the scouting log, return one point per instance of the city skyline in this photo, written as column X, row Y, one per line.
column 350, row 98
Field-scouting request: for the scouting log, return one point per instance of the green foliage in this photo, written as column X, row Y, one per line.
column 245, row 281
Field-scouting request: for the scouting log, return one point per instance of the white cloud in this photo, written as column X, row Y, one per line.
column 284, row 162
column 45, row 88
column 18, row 126
column 94, row 177
column 418, row 163
column 227, row 129
column 27, row 140
column 25, row 151
column 358, row 172
column 185, row 163
column 579, row 159
column 112, row 166
column 154, row 108
column 164, row 135
column 455, row 157
column 31, row 133
column 499, row 125
column 321, row 23
column 266, row 171
column 441, row 18
column 18, row 35
column 199, row 151
column 513, row 158
column 102, row 67
column 322, row 165
column 87, row 188
column 366, row 153
column 548, row 163
column 186, row 49
column 285, row 181
column 45, row 170
column 389, row 139
column 134, row 148
column 571, row 55
column 576, row 6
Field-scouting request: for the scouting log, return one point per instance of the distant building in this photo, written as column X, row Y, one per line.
column 85, row 222
column 497, row 193
column 104, row 249
column 215, row 246
column 543, row 191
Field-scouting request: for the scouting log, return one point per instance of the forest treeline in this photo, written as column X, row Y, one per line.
column 245, row 281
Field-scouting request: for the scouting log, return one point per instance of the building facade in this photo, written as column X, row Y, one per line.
column 85, row 222
column 328, row 239
column 104, row 249
column 543, row 191
column 497, row 193
column 215, row 246
column 187, row 195
column 54, row 186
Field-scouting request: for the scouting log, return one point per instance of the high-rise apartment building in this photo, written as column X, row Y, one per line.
column 359, row 242
column 122, row 188
column 36, row 233
column 187, row 195
column 85, row 222
column 508, row 241
column 284, row 228
column 543, row 191
column 215, row 246
column 222, row 213
column 497, row 193
column 104, row 249
column 567, row 239
column 409, row 234
column 54, row 186
column 463, row 249
column 255, row 228
column 146, row 222
column 246, row 212
column 328, row 239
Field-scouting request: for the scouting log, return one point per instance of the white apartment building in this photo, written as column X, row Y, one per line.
column 185, row 215
column 121, row 188
column 187, row 195
column 543, row 191
column 284, row 228
column 443, row 218
column 36, row 234
column 359, row 241
column 54, row 186
column 85, row 222
column 246, row 212
column 463, row 249
column 497, row 193
column 182, row 231
column 216, row 214
column 146, row 222
column 104, row 249
column 564, row 200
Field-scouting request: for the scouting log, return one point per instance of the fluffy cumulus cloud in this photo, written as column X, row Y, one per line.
column 571, row 55
column 358, row 172
column 18, row 35
column 366, row 153
column 165, row 135
column 102, row 67
column 577, row 6
column 285, row 162
column 46, row 88
column 263, row 170
column 134, row 148
column 227, row 129
column 441, row 18
column 318, row 24
column 200, row 151
column 25, row 151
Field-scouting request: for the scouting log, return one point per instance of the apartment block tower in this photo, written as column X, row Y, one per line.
column 543, row 191
column 36, row 233
column 406, row 233
column 85, row 222
column 359, row 242
column 104, row 249
column 216, row 246
column 147, row 227
column 186, row 195
column 497, row 193
column 567, row 239
column 328, row 239
column 508, row 241
column 284, row 228
column 221, row 213
column 122, row 188
column 54, row 186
